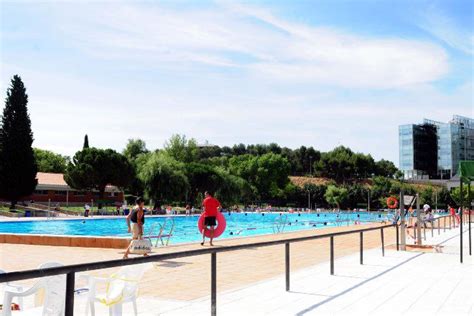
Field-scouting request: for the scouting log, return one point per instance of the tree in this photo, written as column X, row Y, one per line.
column 267, row 175
column 181, row 149
column 86, row 142
column 445, row 199
column 301, row 160
column 208, row 151
column 316, row 192
column 381, row 189
column 239, row 149
column 427, row 196
column 134, row 151
column 336, row 195
column 233, row 189
column 228, row 188
column 94, row 169
column 164, row 177
column 17, row 162
column 456, row 195
column 202, row 178
column 336, row 164
column 48, row 161
column 385, row 168
column 364, row 166
column 356, row 196
column 134, row 148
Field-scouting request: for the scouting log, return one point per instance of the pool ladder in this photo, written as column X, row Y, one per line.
column 164, row 234
column 279, row 224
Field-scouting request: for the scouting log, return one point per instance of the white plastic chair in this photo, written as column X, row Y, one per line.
column 12, row 288
column 54, row 295
column 121, row 287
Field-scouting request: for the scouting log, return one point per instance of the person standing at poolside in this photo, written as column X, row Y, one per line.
column 210, row 208
column 87, row 209
column 453, row 214
column 137, row 219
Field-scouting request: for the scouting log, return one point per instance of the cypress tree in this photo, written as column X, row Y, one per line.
column 17, row 162
column 86, row 142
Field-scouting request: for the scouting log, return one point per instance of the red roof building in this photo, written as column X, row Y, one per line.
column 52, row 188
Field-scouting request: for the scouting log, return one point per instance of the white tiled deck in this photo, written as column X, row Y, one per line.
column 401, row 283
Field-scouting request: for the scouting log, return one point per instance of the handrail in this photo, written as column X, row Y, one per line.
column 30, row 274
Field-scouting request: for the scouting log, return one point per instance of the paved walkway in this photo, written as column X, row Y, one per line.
column 401, row 283
column 251, row 281
column 189, row 278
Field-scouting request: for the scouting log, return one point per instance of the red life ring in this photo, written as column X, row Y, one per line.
column 392, row 202
column 218, row 230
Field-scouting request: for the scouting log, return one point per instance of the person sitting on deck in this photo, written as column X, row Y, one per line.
column 428, row 215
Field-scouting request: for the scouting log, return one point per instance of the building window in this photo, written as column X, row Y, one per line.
column 41, row 192
column 60, row 192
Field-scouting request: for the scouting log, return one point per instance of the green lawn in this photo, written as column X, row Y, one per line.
column 73, row 208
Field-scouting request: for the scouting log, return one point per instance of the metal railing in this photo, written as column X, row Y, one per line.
column 432, row 225
column 71, row 270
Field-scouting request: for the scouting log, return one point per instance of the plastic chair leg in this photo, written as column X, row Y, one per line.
column 115, row 310
column 92, row 307
column 134, row 302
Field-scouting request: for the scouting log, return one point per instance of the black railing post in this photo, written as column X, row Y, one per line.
column 331, row 243
column 213, row 284
column 469, row 205
column 383, row 244
column 70, row 280
column 287, row 266
column 397, row 236
column 460, row 222
column 361, row 247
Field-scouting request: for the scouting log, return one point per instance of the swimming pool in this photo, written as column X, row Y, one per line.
column 185, row 227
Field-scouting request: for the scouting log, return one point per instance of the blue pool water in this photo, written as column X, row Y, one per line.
column 185, row 228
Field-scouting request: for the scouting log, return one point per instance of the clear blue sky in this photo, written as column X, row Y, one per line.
column 314, row 73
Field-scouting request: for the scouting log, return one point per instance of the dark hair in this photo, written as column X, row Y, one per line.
column 139, row 200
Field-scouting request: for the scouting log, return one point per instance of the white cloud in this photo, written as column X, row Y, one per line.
column 227, row 74
column 447, row 30
column 255, row 41
column 313, row 118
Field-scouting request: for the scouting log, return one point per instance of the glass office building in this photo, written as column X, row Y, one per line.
column 433, row 149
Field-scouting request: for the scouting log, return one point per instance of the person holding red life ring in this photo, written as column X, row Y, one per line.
column 211, row 207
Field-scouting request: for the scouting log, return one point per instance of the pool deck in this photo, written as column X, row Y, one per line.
column 401, row 283
column 189, row 278
column 252, row 280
